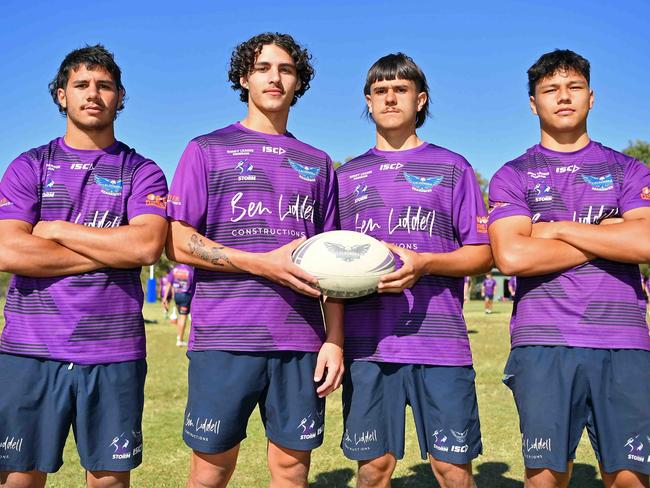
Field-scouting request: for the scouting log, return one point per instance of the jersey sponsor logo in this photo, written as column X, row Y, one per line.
column 495, row 205
column 108, row 186
column 299, row 207
column 360, row 176
column 273, row 150
column 388, row 166
column 245, row 171
column 412, row 220
column 156, row 201
column 595, row 218
column 101, row 221
column 347, row 254
column 645, row 193
column 543, row 192
column 482, row 224
column 174, row 199
column 82, row 166
column 599, row 183
column 5, row 203
column 52, row 167
column 460, row 437
column 538, row 175
column 240, row 152
column 423, row 184
column 360, row 193
column 307, row 173
column 567, row 169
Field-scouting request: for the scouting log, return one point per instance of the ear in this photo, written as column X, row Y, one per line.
column 369, row 103
column 120, row 99
column 243, row 81
column 298, row 84
column 591, row 99
column 60, row 96
column 533, row 105
column 422, row 99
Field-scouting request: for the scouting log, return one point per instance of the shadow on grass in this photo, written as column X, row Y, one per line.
column 584, row 476
column 489, row 475
column 472, row 331
column 338, row 478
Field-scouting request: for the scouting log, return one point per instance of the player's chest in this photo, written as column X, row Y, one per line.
column 84, row 192
column 586, row 194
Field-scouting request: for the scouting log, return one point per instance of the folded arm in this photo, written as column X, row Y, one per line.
column 28, row 255
column 625, row 241
column 517, row 251
column 128, row 246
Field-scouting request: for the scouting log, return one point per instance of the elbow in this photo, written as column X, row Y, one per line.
column 150, row 254
column 508, row 264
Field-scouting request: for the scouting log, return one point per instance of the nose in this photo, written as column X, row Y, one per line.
column 92, row 92
column 274, row 74
column 564, row 95
column 391, row 99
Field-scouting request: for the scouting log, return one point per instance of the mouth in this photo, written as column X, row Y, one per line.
column 274, row 91
column 93, row 109
column 565, row 112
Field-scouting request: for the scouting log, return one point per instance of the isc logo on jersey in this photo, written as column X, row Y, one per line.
column 387, row 166
column 567, row 169
column 273, row 150
column 85, row 166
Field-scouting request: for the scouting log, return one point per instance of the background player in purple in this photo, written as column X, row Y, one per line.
column 487, row 291
column 512, row 287
column 580, row 345
column 180, row 285
column 243, row 198
column 79, row 217
column 409, row 344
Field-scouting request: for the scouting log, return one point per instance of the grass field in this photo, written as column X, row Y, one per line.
column 166, row 457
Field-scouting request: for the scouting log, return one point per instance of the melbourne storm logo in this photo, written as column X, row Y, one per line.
column 306, row 173
column 347, row 254
column 599, row 183
column 109, row 187
column 245, row 170
column 360, row 193
column 120, row 445
column 422, row 184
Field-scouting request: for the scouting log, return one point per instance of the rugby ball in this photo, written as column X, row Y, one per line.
column 347, row 264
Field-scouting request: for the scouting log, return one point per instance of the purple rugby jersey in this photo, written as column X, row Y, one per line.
column 424, row 199
column 254, row 192
column 489, row 286
column 182, row 278
column 89, row 318
column 598, row 304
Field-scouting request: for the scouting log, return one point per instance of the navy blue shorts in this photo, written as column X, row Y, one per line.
column 561, row 390
column 183, row 301
column 41, row 399
column 225, row 387
column 443, row 401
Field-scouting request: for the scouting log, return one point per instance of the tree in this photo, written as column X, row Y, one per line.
column 483, row 183
column 639, row 150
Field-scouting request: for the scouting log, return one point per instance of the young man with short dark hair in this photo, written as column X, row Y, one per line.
column 408, row 344
column 568, row 218
column 243, row 198
column 79, row 216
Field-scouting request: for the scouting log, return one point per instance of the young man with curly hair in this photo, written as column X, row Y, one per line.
column 242, row 199
column 408, row 344
column 79, row 216
column 570, row 218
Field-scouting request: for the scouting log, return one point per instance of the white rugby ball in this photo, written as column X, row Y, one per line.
column 347, row 264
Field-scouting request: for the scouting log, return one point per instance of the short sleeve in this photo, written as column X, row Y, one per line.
column 148, row 191
column 188, row 195
column 20, row 191
column 469, row 214
column 635, row 192
column 507, row 195
column 330, row 203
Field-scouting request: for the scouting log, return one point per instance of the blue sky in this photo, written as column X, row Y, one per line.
column 174, row 56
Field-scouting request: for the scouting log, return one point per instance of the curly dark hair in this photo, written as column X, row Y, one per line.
column 92, row 57
column 550, row 63
column 399, row 66
column 244, row 55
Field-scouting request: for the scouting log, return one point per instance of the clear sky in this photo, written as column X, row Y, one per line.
column 174, row 57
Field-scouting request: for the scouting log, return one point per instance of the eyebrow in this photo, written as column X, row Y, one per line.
column 282, row 65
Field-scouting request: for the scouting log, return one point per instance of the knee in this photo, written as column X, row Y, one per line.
column 377, row 472
column 289, row 467
column 212, row 477
column 30, row 479
column 108, row 479
column 454, row 475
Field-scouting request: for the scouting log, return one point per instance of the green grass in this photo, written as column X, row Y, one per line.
column 166, row 456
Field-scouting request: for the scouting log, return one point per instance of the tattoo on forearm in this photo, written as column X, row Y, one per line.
column 214, row 255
